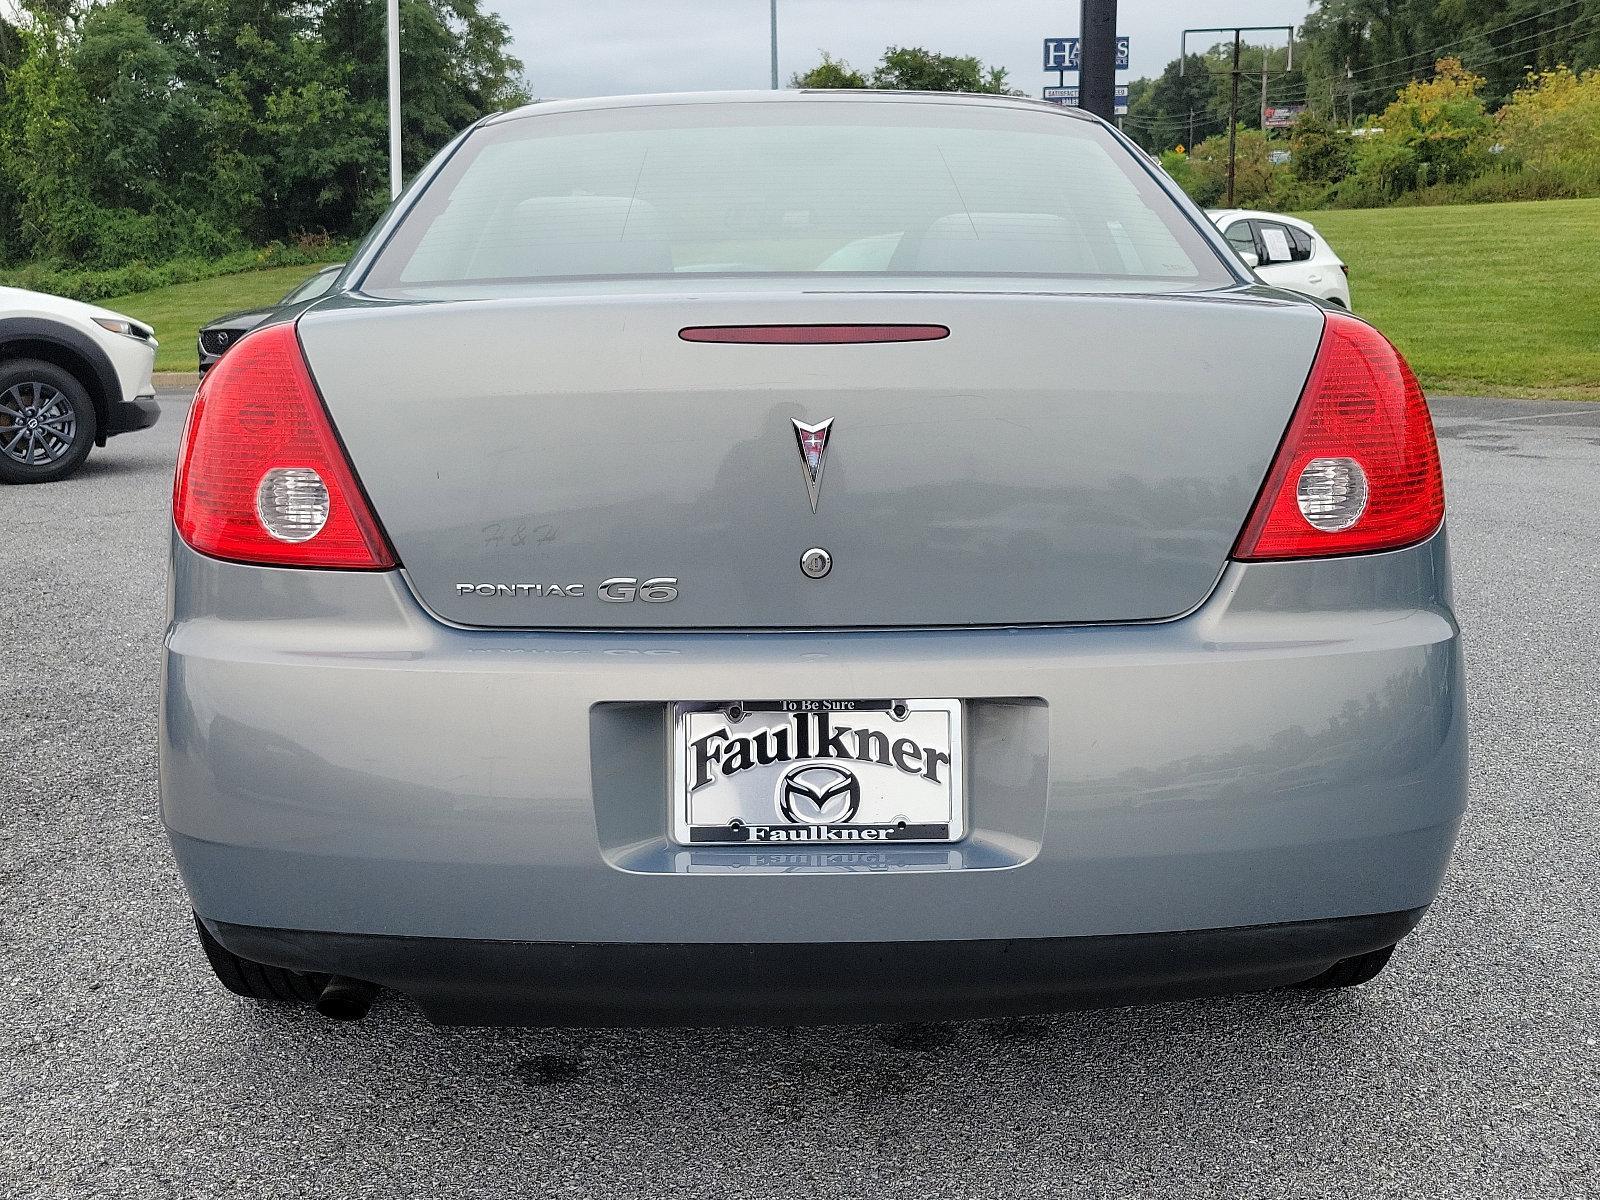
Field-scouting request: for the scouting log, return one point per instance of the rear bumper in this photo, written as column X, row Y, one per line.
column 335, row 761
column 458, row 982
column 126, row 416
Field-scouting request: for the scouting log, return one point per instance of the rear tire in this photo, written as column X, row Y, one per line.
column 47, row 422
column 1350, row 972
column 257, row 981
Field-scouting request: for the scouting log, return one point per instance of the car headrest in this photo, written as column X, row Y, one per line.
column 996, row 241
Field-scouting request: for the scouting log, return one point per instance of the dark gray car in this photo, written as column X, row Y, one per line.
column 216, row 338
column 806, row 556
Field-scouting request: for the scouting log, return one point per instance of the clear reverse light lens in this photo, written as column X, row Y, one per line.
column 1332, row 493
column 292, row 503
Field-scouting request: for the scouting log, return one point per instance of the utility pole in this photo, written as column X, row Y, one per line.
column 1097, row 58
column 1233, row 116
column 1238, row 32
column 774, row 45
column 394, row 99
column 1263, row 91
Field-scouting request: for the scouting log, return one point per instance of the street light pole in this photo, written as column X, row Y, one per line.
column 394, row 98
column 774, row 45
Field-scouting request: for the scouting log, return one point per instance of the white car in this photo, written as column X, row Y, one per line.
column 71, row 375
column 1286, row 252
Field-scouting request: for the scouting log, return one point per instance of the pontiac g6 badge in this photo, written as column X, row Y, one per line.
column 813, row 443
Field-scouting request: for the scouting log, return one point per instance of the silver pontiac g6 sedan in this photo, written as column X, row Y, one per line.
column 802, row 557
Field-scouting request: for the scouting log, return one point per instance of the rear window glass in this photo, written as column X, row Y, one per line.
column 823, row 187
column 317, row 285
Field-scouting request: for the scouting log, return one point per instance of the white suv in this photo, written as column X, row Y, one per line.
column 1286, row 252
column 71, row 375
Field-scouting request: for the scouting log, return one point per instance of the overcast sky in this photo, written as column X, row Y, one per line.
column 603, row 47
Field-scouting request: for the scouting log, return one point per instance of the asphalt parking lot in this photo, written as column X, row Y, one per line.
column 1470, row 1068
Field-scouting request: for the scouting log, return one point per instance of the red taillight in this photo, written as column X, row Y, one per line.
column 1358, row 469
column 262, row 477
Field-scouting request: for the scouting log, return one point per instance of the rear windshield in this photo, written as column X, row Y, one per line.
column 812, row 188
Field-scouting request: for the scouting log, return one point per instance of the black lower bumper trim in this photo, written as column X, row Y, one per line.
column 460, row 982
column 126, row 416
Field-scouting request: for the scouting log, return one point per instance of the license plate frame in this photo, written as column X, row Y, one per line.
column 889, row 772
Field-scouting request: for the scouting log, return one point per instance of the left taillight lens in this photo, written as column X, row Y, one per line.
column 262, row 477
column 1358, row 469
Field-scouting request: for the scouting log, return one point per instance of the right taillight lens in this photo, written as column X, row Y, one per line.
column 262, row 477
column 1358, row 469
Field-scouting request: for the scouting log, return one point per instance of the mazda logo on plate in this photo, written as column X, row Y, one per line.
column 819, row 794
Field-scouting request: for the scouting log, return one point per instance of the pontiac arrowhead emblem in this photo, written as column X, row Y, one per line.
column 813, row 443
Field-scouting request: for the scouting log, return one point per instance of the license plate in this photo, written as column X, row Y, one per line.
column 841, row 772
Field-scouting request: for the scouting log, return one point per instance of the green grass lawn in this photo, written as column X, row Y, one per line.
column 177, row 312
column 1483, row 299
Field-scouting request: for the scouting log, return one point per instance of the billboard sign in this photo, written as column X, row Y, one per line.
column 1067, row 97
column 1061, row 54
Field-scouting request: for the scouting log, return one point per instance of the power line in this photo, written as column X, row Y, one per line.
column 1412, row 73
column 1514, row 48
column 1431, row 55
column 1464, row 37
column 1238, row 32
column 1407, row 76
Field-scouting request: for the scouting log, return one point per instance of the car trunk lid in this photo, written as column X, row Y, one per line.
column 1055, row 459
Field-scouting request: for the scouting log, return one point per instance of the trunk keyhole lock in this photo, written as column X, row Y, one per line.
column 816, row 563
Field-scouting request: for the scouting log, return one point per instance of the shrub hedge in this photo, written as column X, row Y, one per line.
column 91, row 286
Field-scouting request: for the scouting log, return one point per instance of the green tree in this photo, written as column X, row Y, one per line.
column 1189, row 100
column 11, row 54
column 1434, row 131
column 1175, row 103
column 230, row 59
column 456, row 62
column 829, row 73
column 10, row 47
column 910, row 69
column 1553, row 121
column 137, row 129
column 42, row 139
column 130, row 75
column 1320, row 150
column 1358, row 53
column 913, row 69
column 1254, row 176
